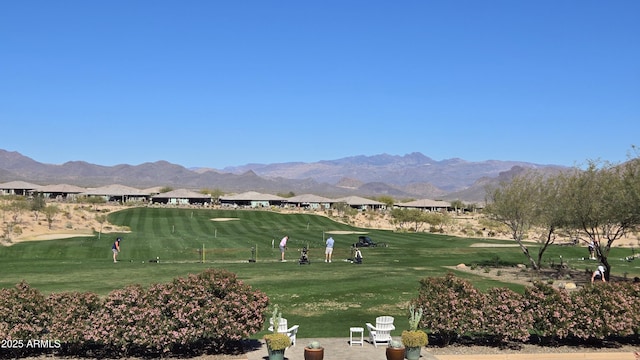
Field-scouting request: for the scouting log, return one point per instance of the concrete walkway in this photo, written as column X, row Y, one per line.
column 339, row 349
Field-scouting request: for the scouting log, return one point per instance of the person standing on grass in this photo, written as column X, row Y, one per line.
column 283, row 247
column 329, row 250
column 115, row 248
column 592, row 251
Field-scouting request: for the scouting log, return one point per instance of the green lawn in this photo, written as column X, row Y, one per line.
column 325, row 299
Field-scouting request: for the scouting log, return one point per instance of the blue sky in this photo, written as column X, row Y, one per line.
column 225, row 83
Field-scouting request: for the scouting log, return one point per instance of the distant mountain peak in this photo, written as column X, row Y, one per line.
column 412, row 175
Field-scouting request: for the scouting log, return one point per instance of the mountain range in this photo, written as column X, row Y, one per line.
column 409, row 176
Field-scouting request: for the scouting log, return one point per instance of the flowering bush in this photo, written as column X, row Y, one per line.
column 453, row 306
column 631, row 294
column 71, row 318
column 23, row 315
column 551, row 310
column 210, row 308
column 200, row 312
column 602, row 311
column 505, row 315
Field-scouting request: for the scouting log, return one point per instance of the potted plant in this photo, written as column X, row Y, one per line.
column 414, row 339
column 314, row 351
column 276, row 342
column 395, row 350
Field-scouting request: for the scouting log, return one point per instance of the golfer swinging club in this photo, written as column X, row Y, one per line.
column 115, row 248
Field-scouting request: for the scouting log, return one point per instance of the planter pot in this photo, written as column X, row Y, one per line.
column 413, row 353
column 395, row 353
column 313, row 354
column 276, row 354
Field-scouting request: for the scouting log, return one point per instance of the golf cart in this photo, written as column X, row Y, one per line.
column 364, row 241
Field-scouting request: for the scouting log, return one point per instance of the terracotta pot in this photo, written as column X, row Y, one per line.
column 313, row 354
column 395, row 353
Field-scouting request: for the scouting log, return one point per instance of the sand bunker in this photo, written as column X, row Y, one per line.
column 53, row 236
column 224, row 219
column 343, row 232
column 493, row 245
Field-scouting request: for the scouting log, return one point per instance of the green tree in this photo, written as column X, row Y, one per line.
column 387, row 200
column 409, row 217
column 15, row 207
column 37, row 204
column 514, row 203
column 215, row 194
column 101, row 219
column 549, row 214
column 92, row 200
column 290, row 194
column 50, row 212
column 603, row 204
column 457, row 205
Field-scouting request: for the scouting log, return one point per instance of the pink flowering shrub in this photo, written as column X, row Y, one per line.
column 70, row 318
column 631, row 293
column 551, row 309
column 452, row 307
column 505, row 315
column 602, row 310
column 123, row 322
column 23, row 313
column 212, row 308
column 200, row 313
column 23, row 316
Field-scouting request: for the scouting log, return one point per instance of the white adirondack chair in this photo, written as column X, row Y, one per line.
column 283, row 328
column 293, row 332
column 381, row 333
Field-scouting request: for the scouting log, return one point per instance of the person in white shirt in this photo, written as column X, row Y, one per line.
column 283, row 247
column 599, row 272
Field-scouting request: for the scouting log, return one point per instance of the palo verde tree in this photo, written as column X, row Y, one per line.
column 387, row 200
column 50, row 212
column 549, row 215
column 37, row 204
column 516, row 204
column 414, row 218
column 14, row 206
column 602, row 203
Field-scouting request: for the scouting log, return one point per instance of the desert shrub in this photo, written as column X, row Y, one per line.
column 24, row 313
column 71, row 319
column 505, row 315
column 601, row 311
column 23, row 316
column 452, row 306
column 189, row 315
column 551, row 310
column 120, row 323
column 631, row 293
column 434, row 229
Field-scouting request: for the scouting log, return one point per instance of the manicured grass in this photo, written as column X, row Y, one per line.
column 325, row 299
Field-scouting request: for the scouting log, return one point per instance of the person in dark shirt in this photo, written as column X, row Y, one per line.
column 115, row 248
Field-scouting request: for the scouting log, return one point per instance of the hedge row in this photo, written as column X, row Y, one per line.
column 200, row 313
column 454, row 308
